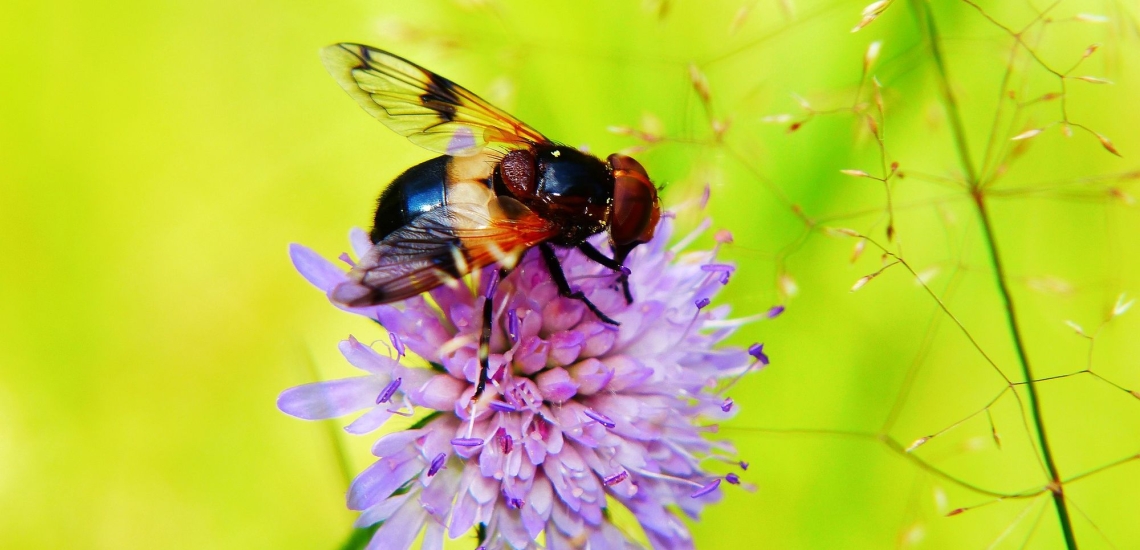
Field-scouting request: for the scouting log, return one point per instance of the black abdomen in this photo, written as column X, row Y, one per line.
column 420, row 189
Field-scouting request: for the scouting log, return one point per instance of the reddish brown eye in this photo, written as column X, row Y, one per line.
column 635, row 210
column 517, row 169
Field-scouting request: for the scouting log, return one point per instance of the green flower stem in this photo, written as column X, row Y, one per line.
column 927, row 26
column 921, row 9
column 1055, row 486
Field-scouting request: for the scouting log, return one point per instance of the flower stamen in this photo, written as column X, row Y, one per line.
column 601, row 419
column 760, row 358
column 505, row 441
column 616, row 478
column 389, row 391
column 467, row 442
column 706, row 489
column 499, row 406
column 436, row 464
column 513, row 325
column 666, row 477
column 397, row 343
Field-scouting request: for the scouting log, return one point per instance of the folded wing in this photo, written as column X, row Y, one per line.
column 440, row 246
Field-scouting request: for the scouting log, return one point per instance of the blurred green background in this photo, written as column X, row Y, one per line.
column 157, row 157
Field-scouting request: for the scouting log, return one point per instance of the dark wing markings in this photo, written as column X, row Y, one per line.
column 430, row 110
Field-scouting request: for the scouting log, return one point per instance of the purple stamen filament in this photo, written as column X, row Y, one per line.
column 467, row 442
column 499, row 406
column 757, row 351
column 665, row 477
column 389, row 391
column 397, row 343
column 506, row 442
column 513, row 325
column 493, row 284
column 601, row 419
column 710, row 487
column 616, row 478
column 436, row 464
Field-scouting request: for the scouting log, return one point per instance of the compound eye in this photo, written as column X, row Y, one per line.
column 636, row 209
column 517, row 169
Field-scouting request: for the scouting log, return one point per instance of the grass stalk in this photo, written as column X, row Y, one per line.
column 922, row 13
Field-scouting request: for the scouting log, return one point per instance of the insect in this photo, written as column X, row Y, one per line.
column 498, row 189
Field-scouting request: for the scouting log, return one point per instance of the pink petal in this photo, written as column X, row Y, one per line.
column 395, row 442
column 441, row 392
column 599, row 339
column 433, row 537
column 378, row 481
column 440, row 492
column 562, row 314
column 530, row 355
column 380, row 512
column 511, row 527
column 331, row 398
column 401, row 530
column 365, row 358
column 628, row 372
column 463, row 515
column 565, row 346
column 556, row 385
column 370, row 420
column 320, row 272
column 591, row 375
column 360, row 241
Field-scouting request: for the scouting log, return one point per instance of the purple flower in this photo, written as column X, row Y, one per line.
column 579, row 415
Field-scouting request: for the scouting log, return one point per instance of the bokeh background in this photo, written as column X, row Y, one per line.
column 156, row 158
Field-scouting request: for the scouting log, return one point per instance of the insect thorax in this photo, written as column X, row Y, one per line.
column 574, row 189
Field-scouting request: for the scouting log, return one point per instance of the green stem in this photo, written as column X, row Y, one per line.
column 1055, row 486
column 927, row 25
column 926, row 21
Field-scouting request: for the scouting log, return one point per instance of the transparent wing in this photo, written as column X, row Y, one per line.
column 431, row 111
column 442, row 245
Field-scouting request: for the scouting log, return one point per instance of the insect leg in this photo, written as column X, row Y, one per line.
column 593, row 254
column 485, row 334
column 564, row 289
column 612, row 263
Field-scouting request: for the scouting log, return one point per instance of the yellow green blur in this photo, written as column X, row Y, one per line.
column 156, row 158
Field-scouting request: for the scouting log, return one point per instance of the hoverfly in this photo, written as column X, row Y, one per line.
column 499, row 189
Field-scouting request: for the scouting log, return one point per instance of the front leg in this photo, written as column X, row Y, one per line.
column 555, row 268
column 611, row 263
column 485, row 335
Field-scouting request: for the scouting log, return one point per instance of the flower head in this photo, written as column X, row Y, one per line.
column 579, row 416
